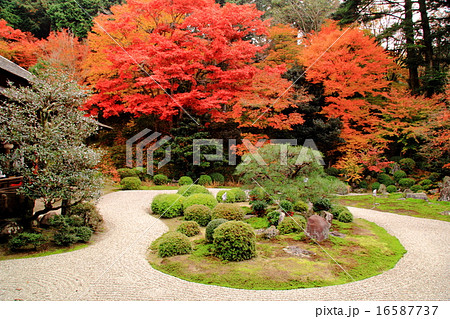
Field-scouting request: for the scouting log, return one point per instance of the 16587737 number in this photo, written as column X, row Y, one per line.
column 406, row 310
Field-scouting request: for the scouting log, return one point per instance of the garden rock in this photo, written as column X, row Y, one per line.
column 248, row 216
column 417, row 196
column 445, row 191
column 299, row 252
column 271, row 232
column 446, row 213
column 382, row 189
column 317, row 228
column 45, row 219
column 337, row 234
column 281, row 218
column 9, row 229
column 328, row 217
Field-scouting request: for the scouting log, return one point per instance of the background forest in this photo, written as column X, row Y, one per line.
column 366, row 80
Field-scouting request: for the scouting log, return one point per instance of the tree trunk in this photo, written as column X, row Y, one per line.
column 411, row 52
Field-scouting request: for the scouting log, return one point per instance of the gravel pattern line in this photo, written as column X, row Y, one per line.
column 115, row 266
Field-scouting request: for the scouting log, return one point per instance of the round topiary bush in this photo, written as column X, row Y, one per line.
column 130, row 183
column 287, row 206
column 345, row 216
column 127, row 172
column 435, row 177
column 337, row 209
column 217, row 178
column 238, row 194
column 189, row 228
column 426, row 184
column 406, row 182
column 407, row 164
column 188, row 190
column 416, row 188
column 375, row 186
column 205, row 180
column 212, row 225
column 291, row 225
column 198, row 213
column 234, row 241
column 398, row 175
column 168, row 205
column 160, row 179
column 200, row 199
column 321, row 204
column 391, row 189
column 172, row 244
column 385, row 179
column 185, row 180
column 226, row 196
column 227, row 211
column 300, row 206
column 363, row 185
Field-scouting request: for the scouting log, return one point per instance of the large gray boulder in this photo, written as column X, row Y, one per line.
column 417, row 196
column 317, row 228
column 445, row 190
column 271, row 232
column 9, row 229
column 45, row 219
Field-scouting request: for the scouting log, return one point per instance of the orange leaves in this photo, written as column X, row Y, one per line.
column 17, row 46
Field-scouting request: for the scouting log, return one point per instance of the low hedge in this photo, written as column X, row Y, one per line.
column 204, row 180
column 168, row 205
column 227, row 211
column 160, row 179
column 217, row 178
column 127, row 172
column 25, row 240
column 185, row 180
column 291, row 225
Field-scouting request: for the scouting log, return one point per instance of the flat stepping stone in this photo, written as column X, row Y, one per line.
column 299, row 252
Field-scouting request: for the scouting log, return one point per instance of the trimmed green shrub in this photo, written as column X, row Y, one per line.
column 226, row 196
column 185, row 180
column 189, row 228
column 205, row 180
column 200, row 199
column 65, row 237
column 363, row 185
column 217, row 178
column 406, row 182
column 286, row 206
column 407, row 164
column 212, row 225
column 127, row 172
column 173, row 243
column 337, row 209
column 435, row 177
column 416, row 188
column 234, row 241
column 142, row 173
column 374, row 186
column 88, row 213
column 291, row 225
column 426, row 184
column 385, row 179
column 198, row 213
column 227, row 211
column 130, row 183
column 188, row 190
column 345, row 216
column 24, row 240
column 168, row 205
column 259, row 207
column 160, row 179
column 239, row 194
column 273, row 217
column 391, row 189
column 321, row 204
column 83, row 233
column 398, row 175
column 300, row 206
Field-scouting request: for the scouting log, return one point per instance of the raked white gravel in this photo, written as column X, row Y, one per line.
column 115, row 266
